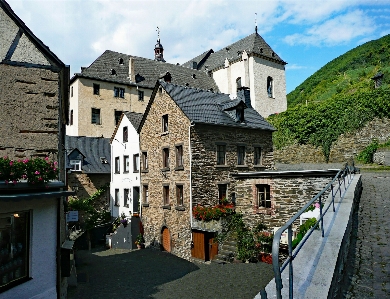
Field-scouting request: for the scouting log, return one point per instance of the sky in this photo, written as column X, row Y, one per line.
column 306, row 34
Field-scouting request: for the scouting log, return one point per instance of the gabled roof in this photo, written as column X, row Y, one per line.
column 148, row 72
column 253, row 44
column 134, row 118
column 205, row 107
column 93, row 149
column 35, row 40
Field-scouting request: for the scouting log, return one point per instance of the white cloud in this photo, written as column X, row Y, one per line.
column 295, row 67
column 338, row 30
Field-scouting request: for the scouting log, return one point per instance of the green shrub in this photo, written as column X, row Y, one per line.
column 366, row 156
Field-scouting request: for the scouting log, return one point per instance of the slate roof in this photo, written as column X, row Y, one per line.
column 252, row 44
column 134, row 118
column 92, row 148
column 205, row 107
column 148, row 72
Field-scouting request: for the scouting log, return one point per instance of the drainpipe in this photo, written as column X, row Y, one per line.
column 192, row 124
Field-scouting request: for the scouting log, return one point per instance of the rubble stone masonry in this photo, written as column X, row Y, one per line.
column 32, row 96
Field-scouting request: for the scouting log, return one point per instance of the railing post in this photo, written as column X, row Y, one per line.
column 322, row 218
column 291, row 262
column 339, row 185
column 333, row 197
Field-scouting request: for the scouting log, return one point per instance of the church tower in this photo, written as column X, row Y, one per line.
column 159, row 49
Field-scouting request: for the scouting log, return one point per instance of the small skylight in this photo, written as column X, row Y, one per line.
column 103, row 160
column 193, row 76
column 113, row 72
column 120, row 61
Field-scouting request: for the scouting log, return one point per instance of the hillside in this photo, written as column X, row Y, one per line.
column 348, row 74
column 338, row 98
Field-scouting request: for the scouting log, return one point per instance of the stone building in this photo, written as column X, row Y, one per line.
column 34, row 261
column 89, row 167
column 117, row 82
column 194, row 141
column 249, row 64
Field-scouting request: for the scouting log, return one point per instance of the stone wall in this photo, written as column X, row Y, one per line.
column 382, row 157
column 288, row 196
column 206, row 175
column 347, row 146
column 29, row 112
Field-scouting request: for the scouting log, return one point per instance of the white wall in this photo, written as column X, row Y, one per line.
column 43, row 243
column 123, row 180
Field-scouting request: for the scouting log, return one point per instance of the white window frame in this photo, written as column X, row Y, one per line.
column 76, row 165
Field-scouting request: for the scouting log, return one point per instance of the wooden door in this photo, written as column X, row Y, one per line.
column 213, row 247
column 166, row 239
column 198, row 248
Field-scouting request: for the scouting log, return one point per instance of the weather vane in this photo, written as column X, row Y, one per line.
column 158, row 32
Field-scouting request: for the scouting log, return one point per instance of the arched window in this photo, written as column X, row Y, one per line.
column 270, row 87
column 238, row 83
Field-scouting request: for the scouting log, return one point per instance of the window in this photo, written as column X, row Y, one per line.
column 117, row 116
column 125, row 134
column 179, row 156
column 240, row 155
column 126, row 197
column 14, row 248
column 263, row 196
column 95, row 116
column 240, row 114
column 166, row 195
column 179, row 195
column 165, row 123
column 222, row 189
column 75, row 165
column 136, row 163
column 71, row 91
column 270, row 87
column 144, row 161
column 257, row 156
column 221, row 154
column 117, row 165
column 119, row 92
column 117, row 197
column 145, row 194
column 238, row 83
column 126, row 164
column 140, row 95
column 96, row 89
column 165, row 157
column 71, row 117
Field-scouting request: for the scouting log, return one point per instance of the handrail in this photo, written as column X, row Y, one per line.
column 340, row 181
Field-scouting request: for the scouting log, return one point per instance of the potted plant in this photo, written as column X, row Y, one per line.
column 139, row 241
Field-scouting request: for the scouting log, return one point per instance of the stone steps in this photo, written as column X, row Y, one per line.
column 227, row 252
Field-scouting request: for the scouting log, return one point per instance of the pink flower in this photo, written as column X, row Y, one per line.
column 24, row 176
column 36, row 172
column 317, row 205
column 55, row 162
column 6, row 182
column 14, row 181
column 47, row 158
column 40, row 179
column 25, row 161
column 11, row 162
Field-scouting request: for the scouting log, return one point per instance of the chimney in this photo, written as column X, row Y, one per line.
column 244, row 93
column 131, row 69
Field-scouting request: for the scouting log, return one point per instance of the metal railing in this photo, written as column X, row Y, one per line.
column 337, row 187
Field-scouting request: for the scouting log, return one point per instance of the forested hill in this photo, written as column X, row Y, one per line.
column 338, row 98
column 348, row 74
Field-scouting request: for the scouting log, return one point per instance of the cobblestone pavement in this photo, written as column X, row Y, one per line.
column 369, row 260
column 151, row 273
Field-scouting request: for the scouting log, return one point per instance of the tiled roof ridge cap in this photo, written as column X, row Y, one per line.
column 189, row 87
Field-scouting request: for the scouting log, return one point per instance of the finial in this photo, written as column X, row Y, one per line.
column 256, row 22
column 158, row 33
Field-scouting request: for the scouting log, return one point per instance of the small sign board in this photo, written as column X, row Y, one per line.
column 72, row 216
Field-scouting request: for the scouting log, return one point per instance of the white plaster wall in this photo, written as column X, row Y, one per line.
column 123, row 180
column 74, row 105
column 43, row 243
column 260, row 69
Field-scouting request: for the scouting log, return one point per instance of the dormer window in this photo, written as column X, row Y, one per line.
column 75, row 165
column 120, row 61
column 240, row 113
column 113, row 72
column 103, row 160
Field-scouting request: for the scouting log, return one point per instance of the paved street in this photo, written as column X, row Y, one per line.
column 150, row 273
column 369, row 262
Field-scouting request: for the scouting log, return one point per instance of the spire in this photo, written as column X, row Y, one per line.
column 158, row 48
